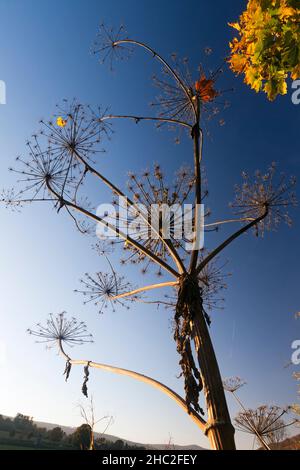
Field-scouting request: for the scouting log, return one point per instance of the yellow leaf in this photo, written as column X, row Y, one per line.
column 286, row 12
column 61, row 122
column 282, row 87
column 250, row 48
column 296, row 72
column 238, row 62
column 253, row 79
column 256, row 85
column 271, row 89
column 235, row 26
column 234, row 45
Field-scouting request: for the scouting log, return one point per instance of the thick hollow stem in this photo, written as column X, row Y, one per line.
column 142, row 378
column 219, row 429
column 191, row 324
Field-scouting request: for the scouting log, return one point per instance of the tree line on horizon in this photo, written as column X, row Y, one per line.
column 22, row 431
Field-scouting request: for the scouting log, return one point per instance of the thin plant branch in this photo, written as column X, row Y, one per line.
column 137, row 119
column 118, row 232
column 165, row 64
column 230, row 239
column 228, row 221
column 118, row 192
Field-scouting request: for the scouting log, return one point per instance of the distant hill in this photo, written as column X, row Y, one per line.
column 111, row 438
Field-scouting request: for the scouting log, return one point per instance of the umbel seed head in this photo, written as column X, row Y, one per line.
column 59, row 328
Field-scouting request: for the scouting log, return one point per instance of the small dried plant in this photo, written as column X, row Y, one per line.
column 265, row 422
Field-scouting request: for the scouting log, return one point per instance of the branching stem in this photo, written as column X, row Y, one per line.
column 165, row 63
column 146, row 118
column 146, row 288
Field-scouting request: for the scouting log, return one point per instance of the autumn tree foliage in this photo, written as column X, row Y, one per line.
column 267, row 49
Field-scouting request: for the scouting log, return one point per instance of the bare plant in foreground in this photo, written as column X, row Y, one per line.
column 66, row 155
column 265, row 423
column 88, row 414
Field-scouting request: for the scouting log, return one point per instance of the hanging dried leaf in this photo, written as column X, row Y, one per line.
column 85, row 380
column 67, row 370
column 183, row 335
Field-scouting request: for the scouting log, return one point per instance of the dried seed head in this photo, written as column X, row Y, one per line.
column 178, row 99
column 59, row 328
column 103, row 288
column 232, row 384
column 107, row 46
column 58, row 159
column 265, row 195
column 266, row 421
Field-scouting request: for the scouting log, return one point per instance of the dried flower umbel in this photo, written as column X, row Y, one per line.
column 59, row 156
column 81, row 133
column 108, row 46
column 232, row 384
column 103, row 290
column 59, row 328
column 60, row 331
column 153, row 197
column 43, row 168
column 265, row 194
column 266, row 422
column 212, row 281
column 175, row 103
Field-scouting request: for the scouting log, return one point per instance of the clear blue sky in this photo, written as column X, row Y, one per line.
column 44, row 51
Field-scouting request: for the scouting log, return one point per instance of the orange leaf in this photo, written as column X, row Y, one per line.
column 235, row 26
column 205, row 89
